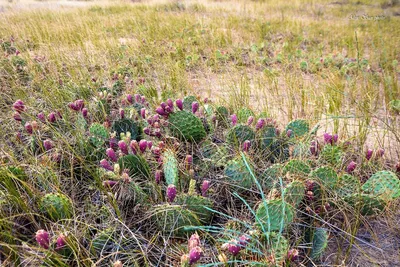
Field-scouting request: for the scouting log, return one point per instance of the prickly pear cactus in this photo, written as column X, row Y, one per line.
column 136, row 164
column 270, row 176
column 172, row 219
column 196, row 204
column 384, row 184
column 301, row 150
column 104, row 241
column 366, row 204
column 348, row 185
column 298, row 127
column 331, row 154
column 240, row 133
column 243, row 114
column 294, row 193
column 238, row 174
column 98, row 134
column 274, row 215
column 279, row 150
column 326, row 176
column 170, row 167
column 222, row 115
column 278, row 248
column 56, row 206
column 215, row 154
column 186, row 126
column 187, row 102
column 296, row 167
column 267, row 137
column 127, row 125
column 319, row 243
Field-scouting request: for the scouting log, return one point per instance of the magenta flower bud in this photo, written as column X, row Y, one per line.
column 134, row 146
column 205, row 100
column 314, row 148
column 194, row 241
column 380, row 152
column 52, row 117
column 244, row 240
column 171, row 192
column 109, row 183
column 234, row 249
column 170, row 103
column 234, row 119
column 143, row 113
column 41, row 117
column 143, row 99
column 17, row 116
column 328, row 138
column 289, row 133
column 204, row 187
column 58, row 113
column 195, row 255
column 246, row 146
column 61, row 242
column 250, row 120
column 129, row 98
column 168, row 110
column 161, row 144
column 106, row 165
column 260, row 124
column 85, row 113
column 19, row 106
column 113, row 142
column 161, row 111
column 179, row 104
column 80, row 104
column 48, row 144
column 111, row 154
column 28, row 128
column 293, row 254
column 123, row 147
column 142, row 145
column 277, row 131
column 188, row 161
column 72, row 106
column 397, row 167
column 121, row 113
column 351, row 167
column 158, row 176
column 369, row 153
column 149, row 144
column 163, row 105
column 335, row 138
column 147, row 131
column 195, row 107
column 43, row 239
column 137, row 98
column 156, row 151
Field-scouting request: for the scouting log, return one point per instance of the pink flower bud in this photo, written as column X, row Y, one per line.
column 143, row 99
column 161, row 144
column 246, row 146
column 234, row 119
column 195, row 107
column 260, row 124
column 73, row 106
column 289, row 133
column 129, row 98
column 137, row 98
column 195, row 255
column 134, row 146
column 161, row 111
column 194, row 241
column 205, row 100
column 293, row 255
column 80, row 104
column 85, row 113
column 171, row 192
column 397, row 167
column 106, row 165
column 328, row 138
column 158, row 175
column 380, row 152
column 244, row 240
column 149, row 144
column 19, row 106
column 111, row 154
column 188, row 161
column 109, row 183
column 170, row 103
column 204, row 187
column 143, row 113
column 250, row 120
column 123, row 147
column 113, row 142
column 52, row 117
column 121, row 113
column 168, row 110
column 179, row 104
column 143, row 145
column 61, row 242
column 314, row 148
column 351, row 167
column 369, row 153
column 17, row 116
column 335, row 138
column 28, row 128
column 277, row 131
column 234, row 249
column 156, row 151
column 163, row 105
column 48, row 144
column 42, row 238
column 41, row 117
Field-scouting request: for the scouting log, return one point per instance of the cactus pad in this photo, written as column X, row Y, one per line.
column 56, row 206
column 326, row 176
column 196, row 204
column 98, row 134
column 243, row 114
column 127, row 125
column 276, row 214
column 331, row 154
column 186, row 126
column 240, row 133
column 366, row 204
column 319, row 243
column 238, row 174
column 136, row 165
column 294, row 193
column 348, row 185
column 298, row 127
column 384, row 184
column 222, row 114
column 170, row 167
column 296, row 167
column 267, row 137
column 187, row 102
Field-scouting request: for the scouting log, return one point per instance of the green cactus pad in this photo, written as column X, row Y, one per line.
column 196, row 204
column 187, row 102
column 127, row 125
column 301, row 150
column 348, row 185
column 319, row 243
column 186, row 126
column 98, row 134
column 172, row 219
column 170, row 167
column 104, row 241
column 238, row 174
column 56, row 206
column 298, row 127
column 366, row 204
column 136, row 164
column 294, row 193
column 270, row 176
column 279, row 247
column 296, row 167
column 243, row 114
column 384, row 184
column 279, row 150
column 240, row 133
column 267, row 137
column 326, row 176
column 222, row 114
column 213, row 153
column 331, row 154
column 275, row 213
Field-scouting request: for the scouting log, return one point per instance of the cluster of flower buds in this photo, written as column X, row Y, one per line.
column 379, row 153
column 165, row 108
column 195, row 251
column 269, row 122
column 310, row 186
column 137, row 98
column 43, row 239
column 154, row 126
column 234, row 246
column 77, row 105
column 330, row 139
